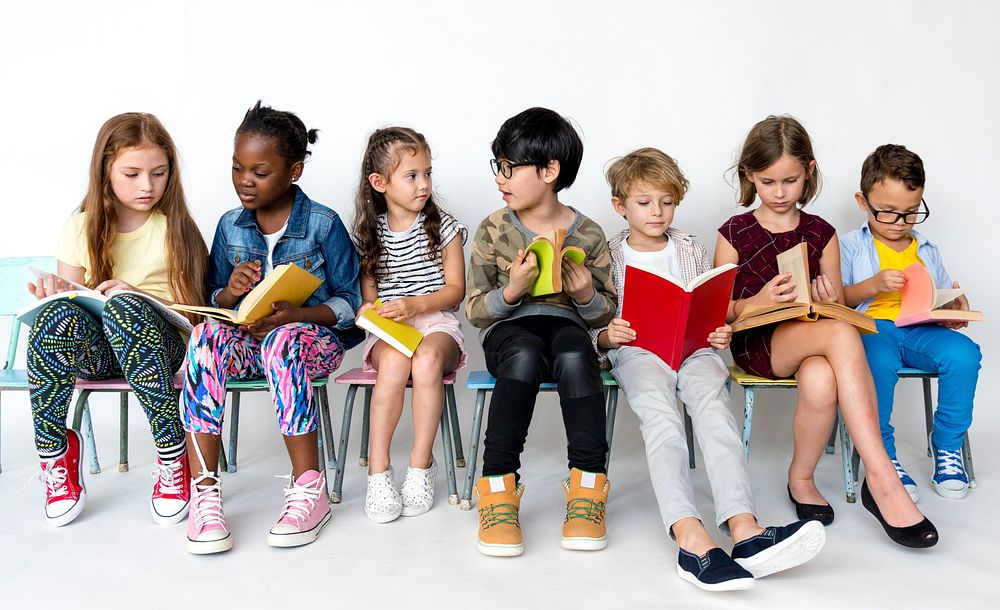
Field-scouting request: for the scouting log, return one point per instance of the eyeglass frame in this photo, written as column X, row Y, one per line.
column 899, row 215
column 497, row 166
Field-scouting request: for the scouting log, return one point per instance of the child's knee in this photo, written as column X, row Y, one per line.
column 123, row 308
column 964, row 355
column 427, row 366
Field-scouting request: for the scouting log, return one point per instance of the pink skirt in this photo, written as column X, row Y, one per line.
column 433, row 322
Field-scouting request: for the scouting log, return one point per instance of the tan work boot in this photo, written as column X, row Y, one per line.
column 586, row 495
column 499, row 528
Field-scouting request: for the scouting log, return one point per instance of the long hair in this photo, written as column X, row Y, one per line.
column 765, row 144
column 187, row 254
column 382, row 156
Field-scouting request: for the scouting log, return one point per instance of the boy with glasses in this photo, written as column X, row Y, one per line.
column 872, row 260
column 529, row 339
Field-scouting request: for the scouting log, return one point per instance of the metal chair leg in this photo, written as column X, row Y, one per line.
column 449, row 458
column 123, row 432
column 747, row 419
column 470, row 470
column 928, row 413
column 234, row 431
column 365, row 427
column 689, row 435
column 967, row 458
column 320, row 441
column 327, row 425
column 612, row 411
column 847, row 454
column 456, row 428
column 830, row 445
column 82, row 422
column 345, row 433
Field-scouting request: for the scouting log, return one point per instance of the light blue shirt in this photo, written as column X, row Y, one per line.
column 859, row 259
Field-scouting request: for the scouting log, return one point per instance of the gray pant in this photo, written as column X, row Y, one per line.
column 652, row 388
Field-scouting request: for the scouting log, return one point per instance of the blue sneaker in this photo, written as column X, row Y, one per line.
column 950, row 480
column 780, row 548
column 907, row 481
column 713, row 571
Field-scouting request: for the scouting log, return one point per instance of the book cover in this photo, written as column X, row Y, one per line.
column 795, row 260
column 673, row 320
column 921, row 301
column 399, row 335
column 549, row 252
column 287, row 282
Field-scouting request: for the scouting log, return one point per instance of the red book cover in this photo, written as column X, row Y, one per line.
column 671, row 320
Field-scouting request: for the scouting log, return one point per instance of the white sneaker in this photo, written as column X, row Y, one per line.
column 382, row 502
column 418, row 489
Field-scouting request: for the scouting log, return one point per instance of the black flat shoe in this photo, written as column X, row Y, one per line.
column 819, row 512
column 918, row 536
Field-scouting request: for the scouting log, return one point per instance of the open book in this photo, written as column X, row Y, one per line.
column 921, row 301
column 400, row 335
column 93, row 302
column 795, row 260
column 549, row 252
column 287, row 282
column 670, row 319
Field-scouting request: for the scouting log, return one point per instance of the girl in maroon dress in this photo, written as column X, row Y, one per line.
column 826, row 357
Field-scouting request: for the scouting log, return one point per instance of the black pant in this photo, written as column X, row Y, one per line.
column 523, row 353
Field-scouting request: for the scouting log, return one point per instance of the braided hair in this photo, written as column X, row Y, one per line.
column 383, row 155
column 286, row 130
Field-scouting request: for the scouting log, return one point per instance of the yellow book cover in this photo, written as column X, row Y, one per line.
column 287, row 282
column 399, row 335
column 549, row 252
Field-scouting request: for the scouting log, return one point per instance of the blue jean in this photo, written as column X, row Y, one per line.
column 930, row 347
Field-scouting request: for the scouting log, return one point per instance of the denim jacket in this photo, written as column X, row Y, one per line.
column 859, row 259
column 315, row 239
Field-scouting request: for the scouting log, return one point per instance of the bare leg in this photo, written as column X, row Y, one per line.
column 387, row 403
column 814, row 416
column 302, row 452
column 437, row 353
column 840, row 344
column 692, row 536
column 743, row 526
column 209, row 445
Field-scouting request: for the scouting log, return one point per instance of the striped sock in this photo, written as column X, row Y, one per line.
column 55, row 454
column 170, row 454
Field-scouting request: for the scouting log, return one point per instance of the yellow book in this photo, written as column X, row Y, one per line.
column 287, row 282
column 399, row 335
column 549, row 252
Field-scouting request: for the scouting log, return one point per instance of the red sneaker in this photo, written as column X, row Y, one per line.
column 65, row 494
column 171, row 492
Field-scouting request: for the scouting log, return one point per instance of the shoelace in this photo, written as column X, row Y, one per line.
column 299, row 500
column 206, row 501
column 170, row 479
column 497, row 514
column 54, row 479
column 585, row 508
column 949, row 463
column 899, row 470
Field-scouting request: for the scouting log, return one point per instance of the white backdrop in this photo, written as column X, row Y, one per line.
column 688, row 78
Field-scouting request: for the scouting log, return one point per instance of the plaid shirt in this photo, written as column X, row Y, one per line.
column 691, row 256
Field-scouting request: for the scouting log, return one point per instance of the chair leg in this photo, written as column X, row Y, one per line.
column 689, row 435
column 365, row 427
column 456, row 428
column 82, row 422
column 223, row 462
column 470, row 470
column 324, row 417
column 123, row 432
column 234, row 431
column 345, row 434
column 967, row 458
column 1, row 437
column 850, row 466
column 830, row 445
column 612, row 411
column 320, row 442
column 449, row 458
column 747, row 419
column 928, row 412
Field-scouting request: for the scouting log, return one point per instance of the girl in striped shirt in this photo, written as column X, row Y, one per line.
column 411, row 260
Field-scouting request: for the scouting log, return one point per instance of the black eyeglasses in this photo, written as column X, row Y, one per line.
column 890, row 218
column 505, row 167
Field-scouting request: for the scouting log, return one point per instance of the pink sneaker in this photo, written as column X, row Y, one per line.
column 65, row 493
column 171, row 492
column 207, row 532
column 305, row 513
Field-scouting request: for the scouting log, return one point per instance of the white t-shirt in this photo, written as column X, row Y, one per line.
column 272, row 241
column 664, row 260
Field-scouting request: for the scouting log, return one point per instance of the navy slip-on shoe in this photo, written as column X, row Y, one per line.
column 780, row 548
column 713, row 571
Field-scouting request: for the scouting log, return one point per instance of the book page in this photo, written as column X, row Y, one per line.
column 795, row 260
column 943, row 296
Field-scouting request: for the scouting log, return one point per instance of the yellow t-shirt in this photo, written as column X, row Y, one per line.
column 885, row 306
column 139, row 258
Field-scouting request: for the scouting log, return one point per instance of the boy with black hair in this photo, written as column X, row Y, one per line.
column 529, row 339
column 872, row 262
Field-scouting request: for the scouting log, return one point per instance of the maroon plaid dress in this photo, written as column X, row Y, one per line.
column 758, row 249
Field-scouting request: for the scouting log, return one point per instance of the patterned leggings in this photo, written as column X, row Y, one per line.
column 289, row 356
column 66, row 342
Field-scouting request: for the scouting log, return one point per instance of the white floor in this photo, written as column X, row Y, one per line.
column 114, row 557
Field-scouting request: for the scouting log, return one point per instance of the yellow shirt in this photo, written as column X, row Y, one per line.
column 138, row 258
column 885, row 306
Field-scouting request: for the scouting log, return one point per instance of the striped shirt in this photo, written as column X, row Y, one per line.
column 404, row 269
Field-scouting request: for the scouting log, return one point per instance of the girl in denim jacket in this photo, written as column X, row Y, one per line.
column 277, row 224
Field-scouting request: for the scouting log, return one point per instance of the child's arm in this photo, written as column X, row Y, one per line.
column 778, row 290
column 369, row 292
column 487, row 291
column 449, row 296
column 591, row 285
column 887, row 280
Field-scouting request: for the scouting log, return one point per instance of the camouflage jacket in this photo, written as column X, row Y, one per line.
column 498, row 239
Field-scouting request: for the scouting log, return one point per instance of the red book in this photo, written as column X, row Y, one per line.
column 670, row 319
column 922, row 303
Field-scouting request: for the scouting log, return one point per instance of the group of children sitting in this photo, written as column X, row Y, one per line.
column 404, row 256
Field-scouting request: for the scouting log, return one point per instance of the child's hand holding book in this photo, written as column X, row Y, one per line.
column 961, row 304
column 577, row 281
column 522, row 273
